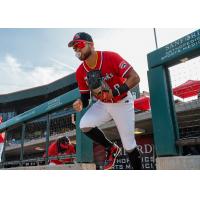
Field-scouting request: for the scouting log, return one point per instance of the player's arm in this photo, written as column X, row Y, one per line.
column 125, row 70
column 83, row 102
column 132, row 79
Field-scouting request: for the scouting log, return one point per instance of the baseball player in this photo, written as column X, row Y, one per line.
column 107, row 77
column 62, row 146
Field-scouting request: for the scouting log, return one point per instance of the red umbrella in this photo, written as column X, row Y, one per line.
column 188, row 89
column 142, row 103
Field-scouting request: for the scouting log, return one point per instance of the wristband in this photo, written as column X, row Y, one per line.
column 85, row 99
column 120, row 90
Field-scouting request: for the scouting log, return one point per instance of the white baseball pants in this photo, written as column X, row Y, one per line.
column 123, row 115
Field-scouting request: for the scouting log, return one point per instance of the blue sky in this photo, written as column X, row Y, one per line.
column 35, row 46
column 33, row 57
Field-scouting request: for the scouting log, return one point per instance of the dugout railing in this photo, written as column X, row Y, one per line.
column 165, row 122
column 84, row 146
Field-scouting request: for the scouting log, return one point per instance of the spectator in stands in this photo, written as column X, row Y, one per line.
column 62, row 146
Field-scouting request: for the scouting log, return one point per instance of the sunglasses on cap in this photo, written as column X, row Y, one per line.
column 80, row 44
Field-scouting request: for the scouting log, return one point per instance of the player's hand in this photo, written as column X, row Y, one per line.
column 106, row 95
column 78, row 105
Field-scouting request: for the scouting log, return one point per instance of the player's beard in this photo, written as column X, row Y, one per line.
column 86, row 55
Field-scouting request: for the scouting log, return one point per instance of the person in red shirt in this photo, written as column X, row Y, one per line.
column 62, row 146
column 2, row 138
column 107, row 77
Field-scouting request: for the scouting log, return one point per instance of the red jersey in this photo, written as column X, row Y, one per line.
column 113, row 69
column 53, row 151
column 2, row 136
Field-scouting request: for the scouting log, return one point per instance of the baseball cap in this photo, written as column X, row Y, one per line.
column 63, row 142
column 64, row 139
column 81, row 36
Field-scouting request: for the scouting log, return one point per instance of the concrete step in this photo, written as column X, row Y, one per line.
column 178, row 163
column 76, row 166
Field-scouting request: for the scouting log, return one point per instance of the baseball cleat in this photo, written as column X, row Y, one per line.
column 111, row 156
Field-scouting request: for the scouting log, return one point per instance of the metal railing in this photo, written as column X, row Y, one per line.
column 45, row 111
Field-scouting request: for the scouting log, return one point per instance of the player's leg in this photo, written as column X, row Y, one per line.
column 125, row 122
column 95, row 116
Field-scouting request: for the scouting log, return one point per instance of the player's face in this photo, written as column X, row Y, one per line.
column 83, row 50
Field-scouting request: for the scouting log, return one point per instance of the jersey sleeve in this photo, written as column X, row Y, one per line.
column 52, row 151
column 120, row 65
column 83, row 88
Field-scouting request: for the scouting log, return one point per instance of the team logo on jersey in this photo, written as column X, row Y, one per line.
column 108, row 76
column 123, row 65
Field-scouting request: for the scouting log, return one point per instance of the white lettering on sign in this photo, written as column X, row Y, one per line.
column 53, row 103
column 24, row 115
column 146, row 148
column 187, row 42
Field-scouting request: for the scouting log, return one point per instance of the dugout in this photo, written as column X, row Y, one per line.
column 62, row 122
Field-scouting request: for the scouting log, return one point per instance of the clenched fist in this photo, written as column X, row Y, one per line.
column 78, row 105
